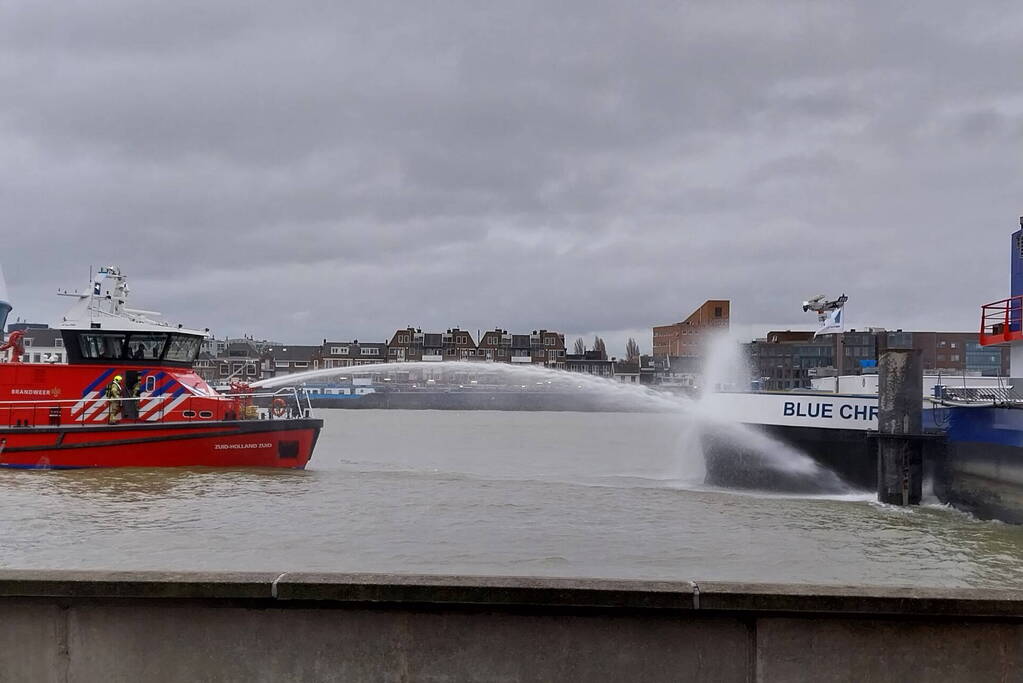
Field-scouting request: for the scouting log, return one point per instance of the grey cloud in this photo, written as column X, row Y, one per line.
column 582, row 166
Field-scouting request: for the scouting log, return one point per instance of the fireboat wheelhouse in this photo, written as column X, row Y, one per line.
column 160, row 412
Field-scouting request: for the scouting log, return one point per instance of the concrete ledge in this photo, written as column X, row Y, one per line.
column 809, row 600
column 487, row 591
column 505, row 591
column 114, row 584
column 167, row 626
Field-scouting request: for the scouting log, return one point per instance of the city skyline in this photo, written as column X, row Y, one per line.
column 741, row 330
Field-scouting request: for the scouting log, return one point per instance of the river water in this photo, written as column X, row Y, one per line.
column 513, row 493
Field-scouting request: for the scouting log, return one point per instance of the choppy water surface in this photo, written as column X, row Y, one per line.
column 551, row 494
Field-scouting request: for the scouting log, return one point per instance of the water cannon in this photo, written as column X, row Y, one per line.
column 821, row 305
column 812, row 302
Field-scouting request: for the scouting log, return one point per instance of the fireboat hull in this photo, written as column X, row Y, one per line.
column 285, row 443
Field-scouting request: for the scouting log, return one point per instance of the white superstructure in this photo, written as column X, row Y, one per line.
column 104, row 308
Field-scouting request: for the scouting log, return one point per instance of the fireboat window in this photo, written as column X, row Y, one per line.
column 146, row 346
column 183, row 348
column 104, row 346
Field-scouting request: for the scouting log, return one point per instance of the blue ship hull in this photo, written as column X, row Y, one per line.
column 983, row 469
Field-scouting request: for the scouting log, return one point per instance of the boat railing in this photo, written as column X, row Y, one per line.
column 284, row 403
column 999, row 396
column 1001, row 321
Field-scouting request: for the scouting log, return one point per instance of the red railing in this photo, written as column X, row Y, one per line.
column 1001, row 321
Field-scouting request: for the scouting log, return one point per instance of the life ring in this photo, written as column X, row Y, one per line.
column 279, row 407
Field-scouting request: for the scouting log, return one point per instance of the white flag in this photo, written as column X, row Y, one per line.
column 833, row 324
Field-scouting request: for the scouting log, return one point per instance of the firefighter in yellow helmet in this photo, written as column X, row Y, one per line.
column 114, row 394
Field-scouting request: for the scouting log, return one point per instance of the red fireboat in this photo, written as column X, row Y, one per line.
column 128, row 396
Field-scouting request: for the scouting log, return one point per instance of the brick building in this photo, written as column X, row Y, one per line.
column 288, row 359
column 412, row 344
column 590, row 363
column 685, row 339
column 548, row 348
column 539, row 347
column 789, row 360
column 342, row 354
column 240, row 360
column 495, row 345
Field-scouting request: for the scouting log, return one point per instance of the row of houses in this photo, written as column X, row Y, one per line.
column 248, row 360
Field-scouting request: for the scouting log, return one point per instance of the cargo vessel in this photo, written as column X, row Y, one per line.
column 128, row 396
column 973, row 426
column 983, row 472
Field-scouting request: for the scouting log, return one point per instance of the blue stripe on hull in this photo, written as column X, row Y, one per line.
column 99, row 381
column 1002, row 426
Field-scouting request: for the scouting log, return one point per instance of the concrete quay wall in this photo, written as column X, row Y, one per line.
column 155, row 626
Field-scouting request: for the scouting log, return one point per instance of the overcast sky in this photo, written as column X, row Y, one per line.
column 304, row 170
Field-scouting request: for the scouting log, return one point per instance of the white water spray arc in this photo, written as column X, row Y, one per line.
column 708, row 432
